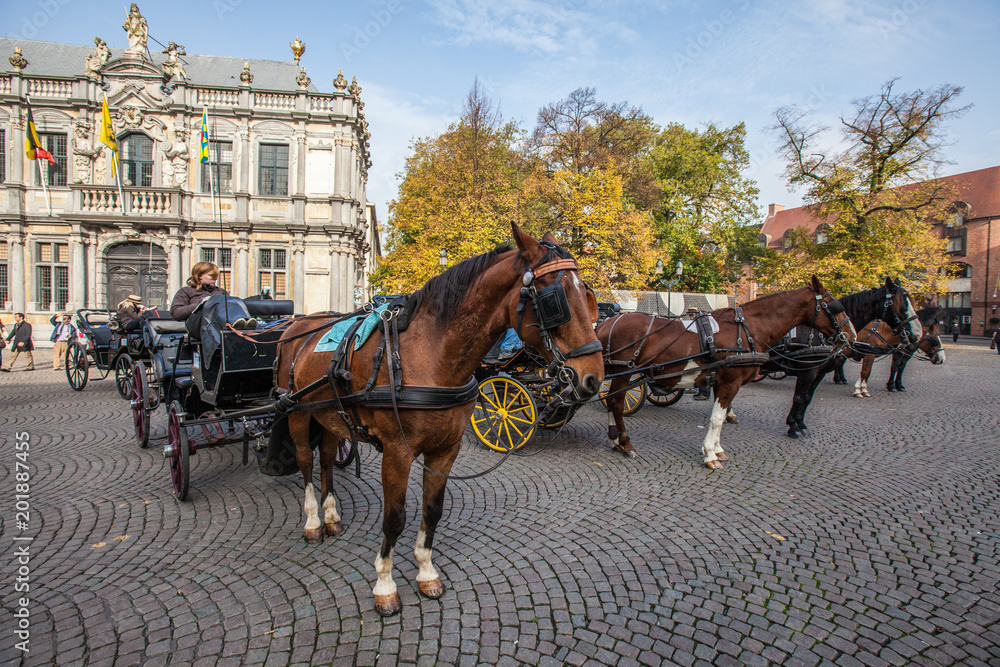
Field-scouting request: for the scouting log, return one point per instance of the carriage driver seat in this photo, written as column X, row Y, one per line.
column 209, row 319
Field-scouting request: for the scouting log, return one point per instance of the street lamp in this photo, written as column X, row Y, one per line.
column 443, row 257
column 673, row 283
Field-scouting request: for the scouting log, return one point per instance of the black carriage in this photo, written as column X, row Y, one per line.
column 99, row 346
column 226, row 391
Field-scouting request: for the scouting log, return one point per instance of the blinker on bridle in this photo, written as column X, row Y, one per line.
column 833, row 307
column 551, row 308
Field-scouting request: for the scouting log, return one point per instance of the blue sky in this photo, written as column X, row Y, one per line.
column 685, row 61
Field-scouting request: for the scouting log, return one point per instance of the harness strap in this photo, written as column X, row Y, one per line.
column 555, row 265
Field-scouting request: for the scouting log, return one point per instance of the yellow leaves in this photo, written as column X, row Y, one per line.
column 775, row 536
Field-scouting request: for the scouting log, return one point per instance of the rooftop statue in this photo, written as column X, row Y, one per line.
column 136, row 30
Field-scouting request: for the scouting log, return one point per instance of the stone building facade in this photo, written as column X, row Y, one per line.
column 289, row 165
column 971, row 289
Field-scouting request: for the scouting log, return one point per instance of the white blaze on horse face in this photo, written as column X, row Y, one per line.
column 711, row 447
column 383, row 567
column 423, row 557
column 312, row 508
column 330, row 509
column 916, row 331
column 688, row 379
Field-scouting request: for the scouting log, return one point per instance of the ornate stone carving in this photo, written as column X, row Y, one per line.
column 354, row 88
column 97, row 59
column 245, row 76
column 298, row 48
column 340, row 82
column 137, row 31
column 302, row 79
column 175, row 158
column 84, row 151
column 18, row 61
column 130, row 116
column 172, row 66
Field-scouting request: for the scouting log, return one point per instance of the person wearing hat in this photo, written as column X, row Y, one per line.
column 129, row 311
column 63, row 332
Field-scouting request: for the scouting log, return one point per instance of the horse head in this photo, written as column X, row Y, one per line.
column 930, row 344
column 554, row 313
column 899, row 313
column 834, row 321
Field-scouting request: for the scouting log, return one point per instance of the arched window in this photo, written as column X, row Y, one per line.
column 137, row 159
column 786, row 239
column 957, row 213
column 957, row 270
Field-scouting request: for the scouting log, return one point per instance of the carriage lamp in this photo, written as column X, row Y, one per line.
column 659, row 266
column 680, row 268
column 443, row 257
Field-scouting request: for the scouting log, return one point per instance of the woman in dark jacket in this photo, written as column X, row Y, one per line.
column 21, row 335
column 206, row 308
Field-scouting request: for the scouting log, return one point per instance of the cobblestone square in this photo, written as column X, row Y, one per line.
column 874, row 541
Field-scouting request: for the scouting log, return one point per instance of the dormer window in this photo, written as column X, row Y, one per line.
column 822, row 234
column 957, row 213
column 786, row 240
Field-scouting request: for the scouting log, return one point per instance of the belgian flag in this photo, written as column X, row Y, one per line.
column 33, row 147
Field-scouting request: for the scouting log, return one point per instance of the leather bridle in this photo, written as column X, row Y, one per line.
column 833, row 307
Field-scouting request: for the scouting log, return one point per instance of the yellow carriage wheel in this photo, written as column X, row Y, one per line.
column 504, row 418
column 635, row 397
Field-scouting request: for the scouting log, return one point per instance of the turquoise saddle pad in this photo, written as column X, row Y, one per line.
column 331, row 339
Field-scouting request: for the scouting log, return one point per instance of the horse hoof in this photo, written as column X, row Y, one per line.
column 431, row 589
column 388, row 605
column 721, row 456
column 793, row 434
column 713, row 465
column 313, row 535
column 731, row 419
column 334, row 529
column 630, row 454
column 900, row 387
column 890, row 388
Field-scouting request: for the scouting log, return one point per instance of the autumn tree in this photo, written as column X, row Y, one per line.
column 706, row 216
column 458, row 193
column 876, row 188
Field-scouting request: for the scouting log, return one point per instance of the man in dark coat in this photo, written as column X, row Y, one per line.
column 21, row 336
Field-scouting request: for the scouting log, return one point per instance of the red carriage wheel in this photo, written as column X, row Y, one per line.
column 345, row 453
column 140, row 402
column 77, row 366
column 176, row 452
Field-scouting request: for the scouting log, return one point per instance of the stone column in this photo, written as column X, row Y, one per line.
column 186, row 245
column 90, row 240
column 77, row 269
column 349, row 280
column 244, row 176
column 299, row 273
column 174, row 281
column 242, row 265
column 16, row 282
column 300, row 161
column 334, row 255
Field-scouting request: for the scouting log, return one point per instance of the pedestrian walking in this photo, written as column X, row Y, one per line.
column 62, row 333
column 954, row 332
column 995, row 341
column 3, row 342
column 20, row 340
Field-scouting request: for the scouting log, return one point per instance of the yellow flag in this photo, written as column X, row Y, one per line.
column 108, row 134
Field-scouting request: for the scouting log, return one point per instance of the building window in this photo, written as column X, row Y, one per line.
column 219, row 153
column 3, row 161
column 954, row 244
column 4, row 290
column 54, row 174
column 52, row 270
column 222, row 258
column 822, row 234
column 958, row 300
column 957, row 270
column 273, row 169
column 271, row 272
column 137, row 159
column 786, row 240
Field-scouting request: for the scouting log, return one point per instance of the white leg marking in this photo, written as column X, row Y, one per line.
column 312, row 508
column 687, row 381
column 711, row 446
column 858, row 392
column 330, row 509
column 383, row 567
column 423, row 558
column 611, row 422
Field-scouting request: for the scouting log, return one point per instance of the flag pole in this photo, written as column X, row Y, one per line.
column 45, row 189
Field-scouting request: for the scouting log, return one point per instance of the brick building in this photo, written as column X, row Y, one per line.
column 971, row 297
column 290, row 164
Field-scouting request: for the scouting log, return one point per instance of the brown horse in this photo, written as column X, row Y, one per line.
column 879, row 334
column 670, row 356
column 454, row 319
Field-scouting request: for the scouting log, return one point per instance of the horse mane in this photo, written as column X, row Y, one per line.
column 865, row 306
column 929, row 315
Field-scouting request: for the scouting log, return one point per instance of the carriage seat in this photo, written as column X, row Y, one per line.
column 96, row 319
column 167, row 326
column 103, row 337
column 270, row 307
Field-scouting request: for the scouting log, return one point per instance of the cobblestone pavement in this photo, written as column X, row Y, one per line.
column 875, row 541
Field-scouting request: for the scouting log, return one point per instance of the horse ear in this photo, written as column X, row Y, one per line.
column 816, row 285
column 524, row 242
column 889, row 285
column 551, row 239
